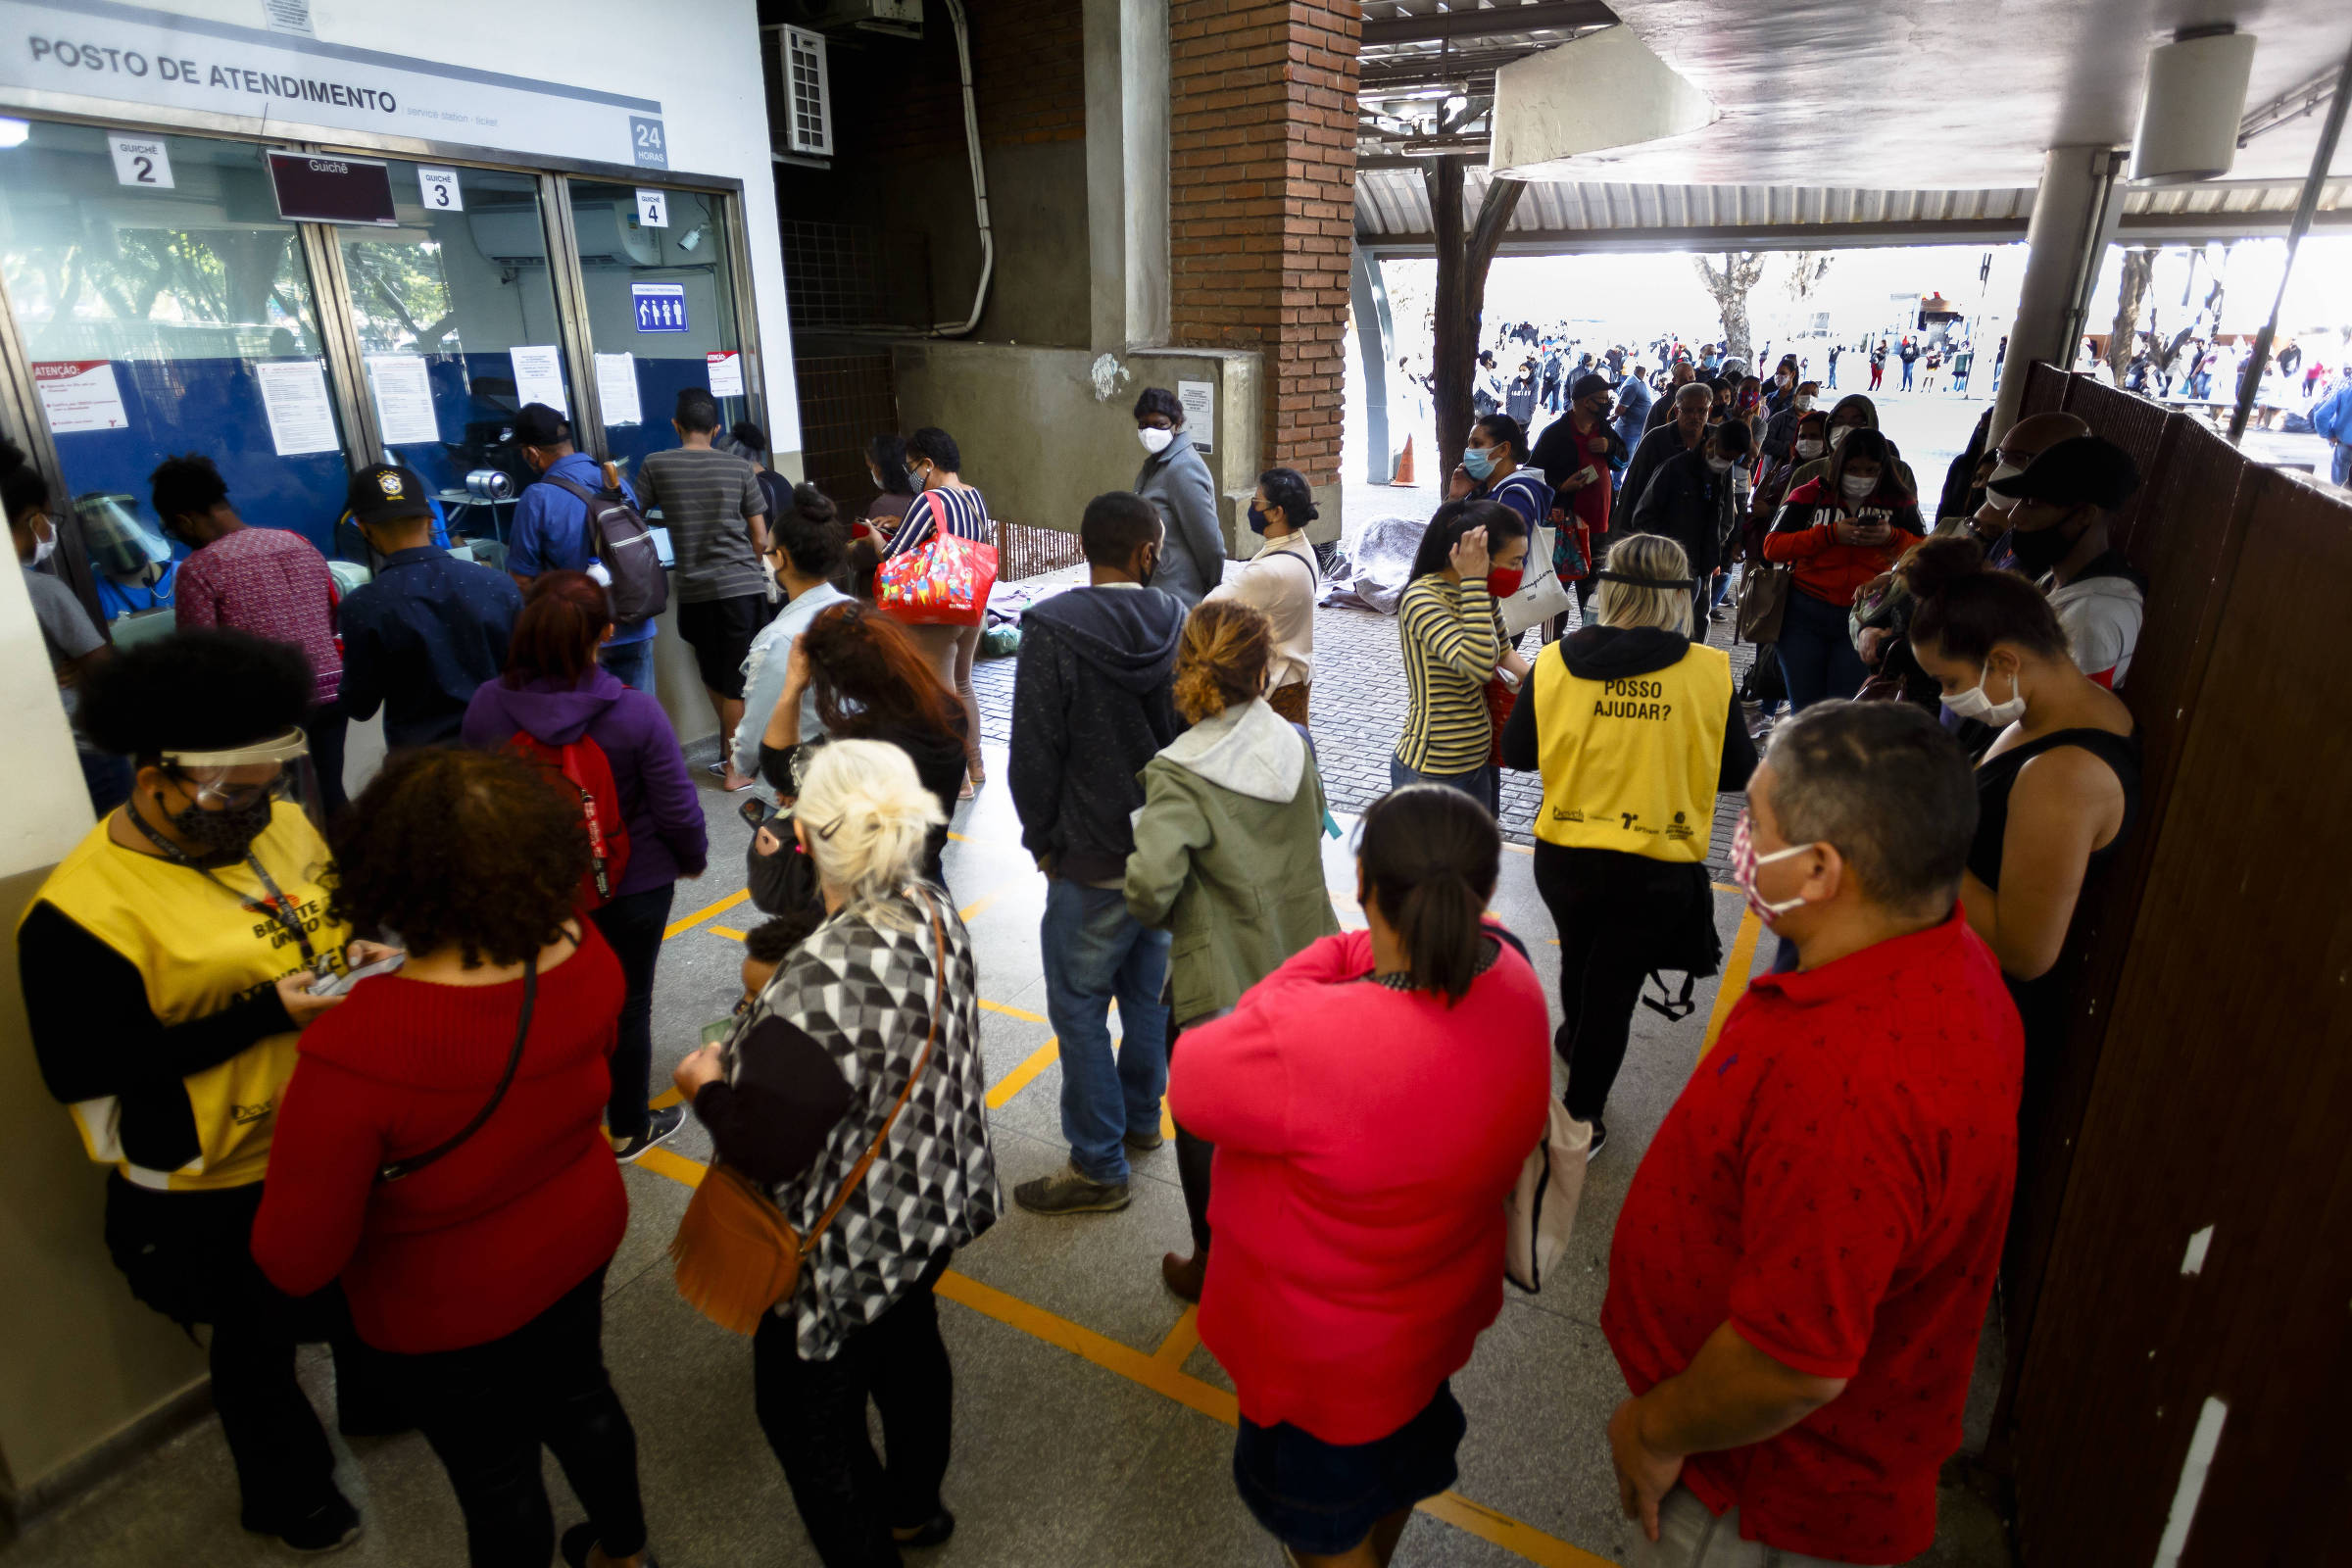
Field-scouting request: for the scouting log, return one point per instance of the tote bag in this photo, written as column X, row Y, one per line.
column 1763, row 603
column 1542, row 595
column 943, row 581
column 1540, row 1212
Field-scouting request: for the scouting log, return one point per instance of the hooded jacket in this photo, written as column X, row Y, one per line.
column 1177, row 485
column 658, row 800
column 2101, row 611
column 1228, row 856
column 1091, row 706
column 1852, row 402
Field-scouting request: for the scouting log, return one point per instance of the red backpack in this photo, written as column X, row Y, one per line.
column 580, row 768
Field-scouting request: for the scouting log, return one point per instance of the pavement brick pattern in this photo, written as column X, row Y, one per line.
column 1358, row 711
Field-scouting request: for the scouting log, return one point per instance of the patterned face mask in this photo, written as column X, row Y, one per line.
column 1745, row 860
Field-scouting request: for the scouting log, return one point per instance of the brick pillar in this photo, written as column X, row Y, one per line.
column 1261, row 194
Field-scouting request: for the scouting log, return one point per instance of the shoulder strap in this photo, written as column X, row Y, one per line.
column 939, row 1001
column 562, row 483
column 417, row 1162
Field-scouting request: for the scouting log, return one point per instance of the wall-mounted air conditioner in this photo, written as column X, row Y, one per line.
column 902, row 19
column 510, row 234
column 805, row 102
column 608, row 236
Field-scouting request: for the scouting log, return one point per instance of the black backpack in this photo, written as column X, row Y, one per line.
column 619, row 536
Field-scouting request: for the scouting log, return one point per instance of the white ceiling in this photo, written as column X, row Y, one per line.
column 1911, row 94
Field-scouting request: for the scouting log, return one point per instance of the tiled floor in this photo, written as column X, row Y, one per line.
column 1091, row 1428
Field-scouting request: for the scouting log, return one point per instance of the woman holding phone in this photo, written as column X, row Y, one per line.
column 1837, row 532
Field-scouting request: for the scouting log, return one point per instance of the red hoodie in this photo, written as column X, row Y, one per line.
column 1824, row 569
column 485, row 1239
column 1366, row 1140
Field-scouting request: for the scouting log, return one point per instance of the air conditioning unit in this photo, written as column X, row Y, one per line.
column 511, row 235
column 903, row 19
column 608, row 236
column 800, row 95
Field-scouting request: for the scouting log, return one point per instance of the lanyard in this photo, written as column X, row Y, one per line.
column 274, row 904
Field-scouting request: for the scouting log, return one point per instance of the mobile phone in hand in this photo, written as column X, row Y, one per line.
column 336, row 985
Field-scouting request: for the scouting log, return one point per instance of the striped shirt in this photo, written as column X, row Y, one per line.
column 1453, row 637
column 707, row 498
column 964, row 511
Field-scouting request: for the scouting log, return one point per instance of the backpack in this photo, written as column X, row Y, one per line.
column 619, row 536
column 581, row 769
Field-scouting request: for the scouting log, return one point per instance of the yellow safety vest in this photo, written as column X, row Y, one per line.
column 201, row 945
column 1632, row 764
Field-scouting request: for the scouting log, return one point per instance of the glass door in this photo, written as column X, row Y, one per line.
column 166, row 308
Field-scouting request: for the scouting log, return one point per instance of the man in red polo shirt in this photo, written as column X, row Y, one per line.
column 1803, row 1261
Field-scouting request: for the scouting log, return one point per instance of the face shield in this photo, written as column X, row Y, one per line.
column 246, row 782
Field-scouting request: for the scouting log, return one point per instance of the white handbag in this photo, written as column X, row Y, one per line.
column 1542, row 595
column 1540, row 1215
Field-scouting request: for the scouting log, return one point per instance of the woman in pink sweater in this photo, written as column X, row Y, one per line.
column 1371, row 1102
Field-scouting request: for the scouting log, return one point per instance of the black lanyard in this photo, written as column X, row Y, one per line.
column 273, row 905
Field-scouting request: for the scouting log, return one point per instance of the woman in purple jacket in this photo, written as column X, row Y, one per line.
column 555, row 692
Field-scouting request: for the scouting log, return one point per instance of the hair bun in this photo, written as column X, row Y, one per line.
column 813, row 504
column 1933, row 565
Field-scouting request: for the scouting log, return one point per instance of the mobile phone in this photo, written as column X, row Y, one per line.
column 336, row 985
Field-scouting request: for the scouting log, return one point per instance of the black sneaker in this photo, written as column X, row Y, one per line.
column 331, row 1527
column 580, row 1539
column 1069, row 1192
column 1600, row 1136
column 659, row 1127
column 932, row 1532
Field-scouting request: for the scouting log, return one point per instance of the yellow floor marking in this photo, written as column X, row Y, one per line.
column 1177, row 1348
column 979, row 907
column 1162, row 1372
column 958, row 837
column 1022, row 1013
column 1735, row 978
column 1013, row 1082
column 729, row 932
column 1517, row 849
column 1167, row 1120
column 665, row 1099
column 699, row 916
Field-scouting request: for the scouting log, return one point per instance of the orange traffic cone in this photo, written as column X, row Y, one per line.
column 1405, row 465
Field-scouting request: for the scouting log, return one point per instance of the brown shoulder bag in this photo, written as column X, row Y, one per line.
column 735, row 1253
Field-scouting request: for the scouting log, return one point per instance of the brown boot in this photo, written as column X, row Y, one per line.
column 1184, row 1275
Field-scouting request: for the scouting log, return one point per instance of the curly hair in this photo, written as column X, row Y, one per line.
column 209, row 689
column 868, row 676
column 470, row 850
column 1221, row 660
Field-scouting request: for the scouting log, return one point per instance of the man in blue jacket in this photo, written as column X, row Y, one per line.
column 1090, row 705
column 2332, row 417
column 551, row 530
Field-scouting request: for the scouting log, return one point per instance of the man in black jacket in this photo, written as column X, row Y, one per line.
column 1691, row 500
column 1693, row 404
column 1091, row 706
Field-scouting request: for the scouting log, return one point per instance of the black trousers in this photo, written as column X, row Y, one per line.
column 632, row 924
column 1615, row 912
column 814, row 1413
column 1195, row 1156
column 324, row 727
column 488, row 1410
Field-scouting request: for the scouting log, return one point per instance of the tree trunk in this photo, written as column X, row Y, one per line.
column 1462, row 264
column 2139, row 266
column 1742, row 272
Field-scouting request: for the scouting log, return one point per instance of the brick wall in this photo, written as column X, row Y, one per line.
column 1028, row 78
column 1261, row 201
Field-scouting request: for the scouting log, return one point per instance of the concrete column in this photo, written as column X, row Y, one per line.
column 2075, row 214
column 1375, row 341
column 1127, row 172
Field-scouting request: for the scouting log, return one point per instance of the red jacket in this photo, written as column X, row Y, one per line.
column 477, row 1243
column 1803, row 534
column 1366, row 1139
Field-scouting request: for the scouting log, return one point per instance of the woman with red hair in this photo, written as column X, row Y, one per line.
column 555, row 694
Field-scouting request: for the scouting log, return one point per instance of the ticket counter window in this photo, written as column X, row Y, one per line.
column 167, row 308
column 660, row 303
column 457, row 323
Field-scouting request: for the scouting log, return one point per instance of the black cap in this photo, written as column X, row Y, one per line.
column 386, row 494
column 2084, row 468
column 1585, row 386
column 538, row 425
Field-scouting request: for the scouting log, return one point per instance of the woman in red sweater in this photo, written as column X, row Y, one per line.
column 1837, row 532
column 1372, row 1101
column 481, row 1067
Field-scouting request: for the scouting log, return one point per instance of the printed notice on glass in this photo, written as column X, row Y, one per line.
column 80, row 395
column 404, row 399
column 294, row 397
column 539, row 376
column 727, row 373
column 616, row 388
column 1200, row 400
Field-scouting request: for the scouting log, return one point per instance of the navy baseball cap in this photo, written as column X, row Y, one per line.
column 2085, row 468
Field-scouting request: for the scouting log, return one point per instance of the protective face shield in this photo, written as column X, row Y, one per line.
column 233, row 794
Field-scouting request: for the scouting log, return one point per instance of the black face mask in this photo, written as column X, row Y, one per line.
column 223, row 835
column 2040, row 550
column 1145, row 567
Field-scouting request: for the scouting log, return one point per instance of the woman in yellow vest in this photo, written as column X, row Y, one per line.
column 1636, row 730
column 166, row 965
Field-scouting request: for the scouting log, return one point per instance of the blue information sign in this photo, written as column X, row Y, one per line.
column 660, row 307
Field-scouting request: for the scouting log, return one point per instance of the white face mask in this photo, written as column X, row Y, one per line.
column 1809, row 450
column 1973, row 704
column 1838, row 434
column 1804, row 401
column 1858, row 485
column 1154, row 441
column 1719, row 464
column 44, row 545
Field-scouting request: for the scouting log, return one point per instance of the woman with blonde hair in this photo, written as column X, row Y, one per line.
column 795, row 1098
column 1636, row 728
column 1228, row 853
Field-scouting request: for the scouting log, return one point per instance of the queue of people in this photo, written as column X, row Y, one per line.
column 373, row 1089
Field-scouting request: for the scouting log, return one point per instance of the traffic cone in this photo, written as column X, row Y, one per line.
column 1405, row 465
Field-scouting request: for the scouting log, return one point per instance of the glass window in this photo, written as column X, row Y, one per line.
column 168, row 317
column 457, row 321
column 664, row 298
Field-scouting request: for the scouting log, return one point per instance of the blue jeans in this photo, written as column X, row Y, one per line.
column 1095, row 951
column 631, row 664
column 1817, row 657
column 2341, row 473
column 1485, row 786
